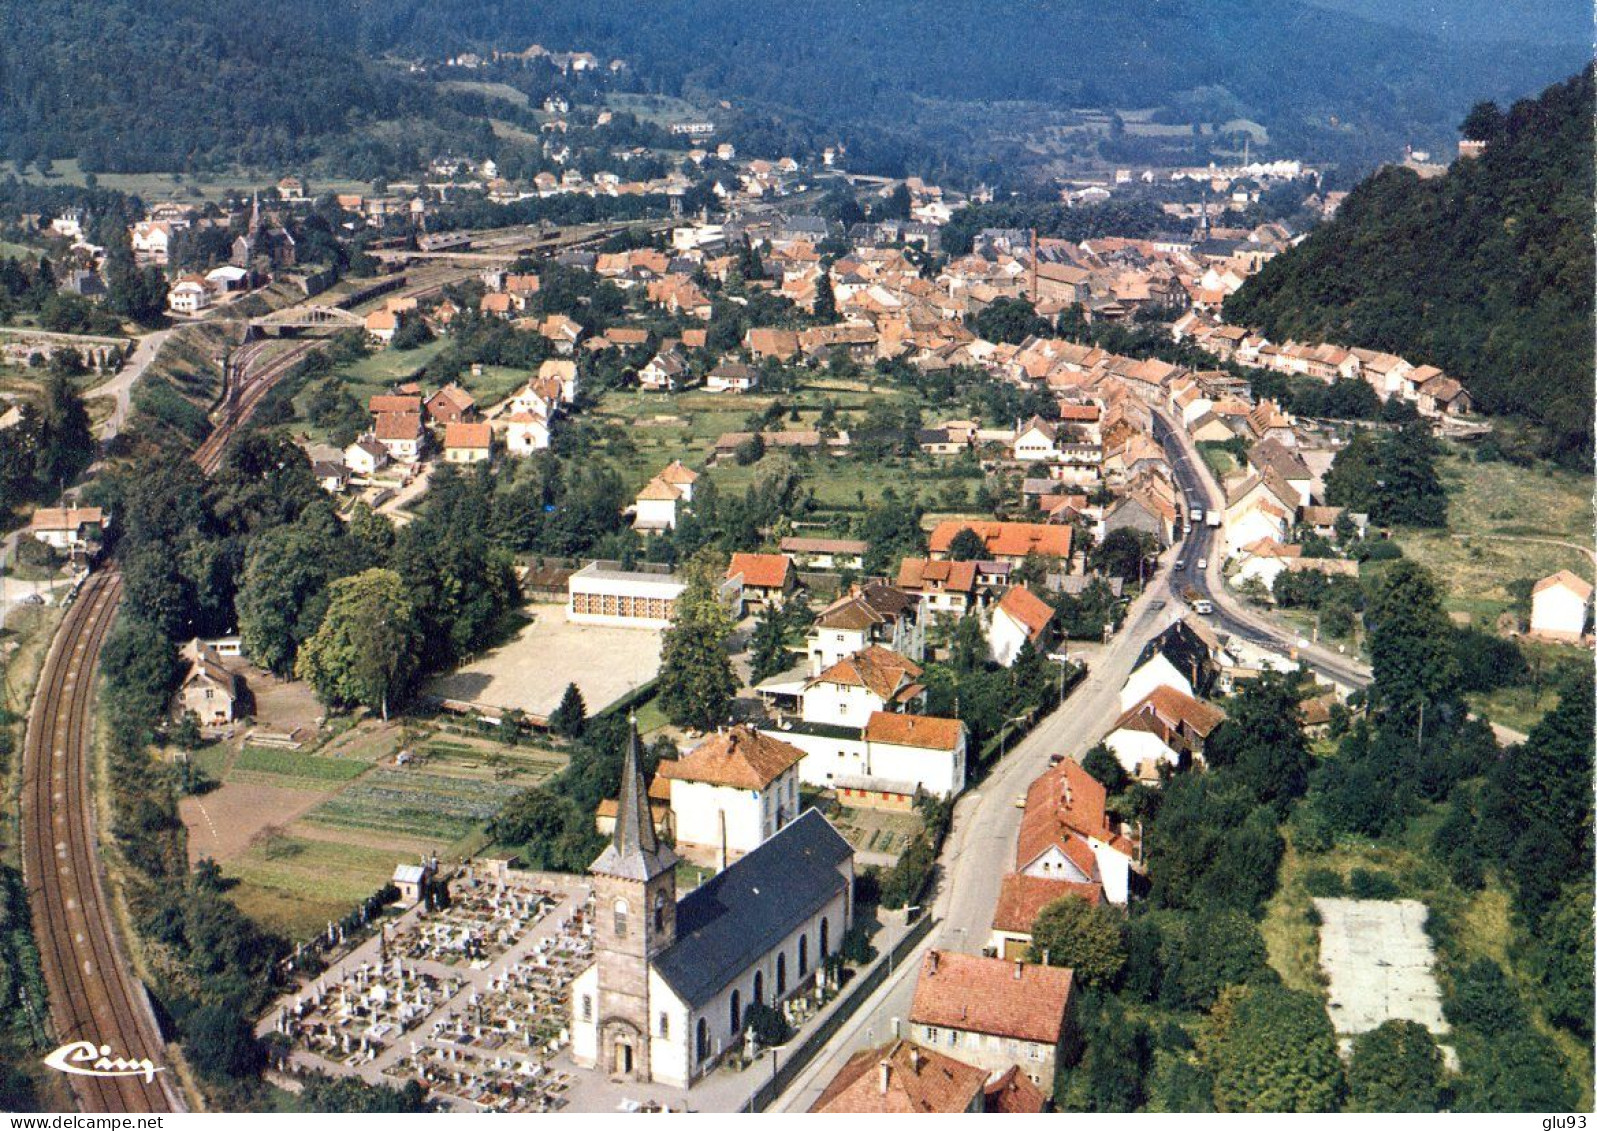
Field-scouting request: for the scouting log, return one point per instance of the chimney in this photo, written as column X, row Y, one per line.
column 886, row 1074
column 720, row 854
column 934, row 961
column 1019, row 969
column 914, row 1059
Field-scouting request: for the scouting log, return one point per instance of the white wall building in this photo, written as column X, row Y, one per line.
column 733, row 792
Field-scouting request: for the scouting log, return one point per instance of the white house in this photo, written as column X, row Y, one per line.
column 1165, row 727
column 733, row 792
column 1066, row 834
column 188, row 295
column 525, row 433
column 1558, row 607
column 66, row 528
column 365, row 457
column 1019, row 617
column 400, row 433
column 924, row 753
column 872, row 679
column 655, row 508
column 1036, row 440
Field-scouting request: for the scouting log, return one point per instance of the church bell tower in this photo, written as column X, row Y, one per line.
column 634, row 885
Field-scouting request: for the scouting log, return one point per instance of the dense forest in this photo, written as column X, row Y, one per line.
column 1485, row 272
column 175, row 84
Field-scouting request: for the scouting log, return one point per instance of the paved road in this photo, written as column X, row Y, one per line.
column 981, row 843
column 121, row 385
column 980, row 848
column 1230, row 615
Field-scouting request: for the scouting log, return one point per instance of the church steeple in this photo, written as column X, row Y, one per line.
column 635, row 852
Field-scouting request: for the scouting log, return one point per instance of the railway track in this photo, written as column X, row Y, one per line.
column 93, row 995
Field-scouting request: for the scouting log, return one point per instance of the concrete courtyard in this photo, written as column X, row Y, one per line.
column 531, row 672
column 1380, row 964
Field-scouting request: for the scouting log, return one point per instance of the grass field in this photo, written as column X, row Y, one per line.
column 296, row 884
column 1493, row 509
column 289, row 768
column 502, row 91
column 191, row 186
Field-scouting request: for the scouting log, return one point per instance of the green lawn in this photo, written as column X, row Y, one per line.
column 296, row 884
column 192, row 186
column 1492, row 509
column 266, row 766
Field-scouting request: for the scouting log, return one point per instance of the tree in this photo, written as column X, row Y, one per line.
column 1261, row 741
column 1559, row 958
column 1536, row 807
column 967, row 546
column 1087, row 938
column 324, row 1093
column 1010, row 320
column 66, row 443
column 1410, row 639
column 570, row 718
column 364, row 651
column 1124, row 553
column 770, row 643
column 1395, row 1067
column 1519, row 1070
column 697, row 682
column 825, row 300
column 282, row 596
column 1106, row 769
column 1272, row 1049
column 1113, row 1071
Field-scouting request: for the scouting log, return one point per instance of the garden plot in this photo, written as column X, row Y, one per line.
column 409, row 803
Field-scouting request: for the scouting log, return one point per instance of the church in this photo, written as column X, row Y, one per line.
column 672, row 979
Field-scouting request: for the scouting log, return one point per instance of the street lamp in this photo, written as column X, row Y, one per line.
column 1003, row 736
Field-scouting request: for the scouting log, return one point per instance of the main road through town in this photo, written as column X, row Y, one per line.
column 980, row 848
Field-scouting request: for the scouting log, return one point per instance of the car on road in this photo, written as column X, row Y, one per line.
column 1020, row 801
column 1157, row 606
column 1203, row 563
column 1055, row 759
column 1203, row 607
column 1181, row 564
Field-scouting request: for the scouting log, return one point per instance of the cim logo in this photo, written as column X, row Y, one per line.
column 85, row 1058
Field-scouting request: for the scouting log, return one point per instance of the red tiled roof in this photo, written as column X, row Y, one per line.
column 760, row 571
column 923, row 731
column 1007, row 539
column 1063, row 805
column 1176, row 710
column 398, row 426
column 389, row 402
column 918, row 1081
column 1021, row 897
column 1030, row 611
column 992, row 995
column 468, row 434
column 881, row 670
column 921, row 573
column 740, row 757
column 1013, row 1093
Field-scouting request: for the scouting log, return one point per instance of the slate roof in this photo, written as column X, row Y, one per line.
column 1186, row 651
column 737, row 917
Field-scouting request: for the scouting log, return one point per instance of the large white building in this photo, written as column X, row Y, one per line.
column 672, row 980
column 733, row 792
